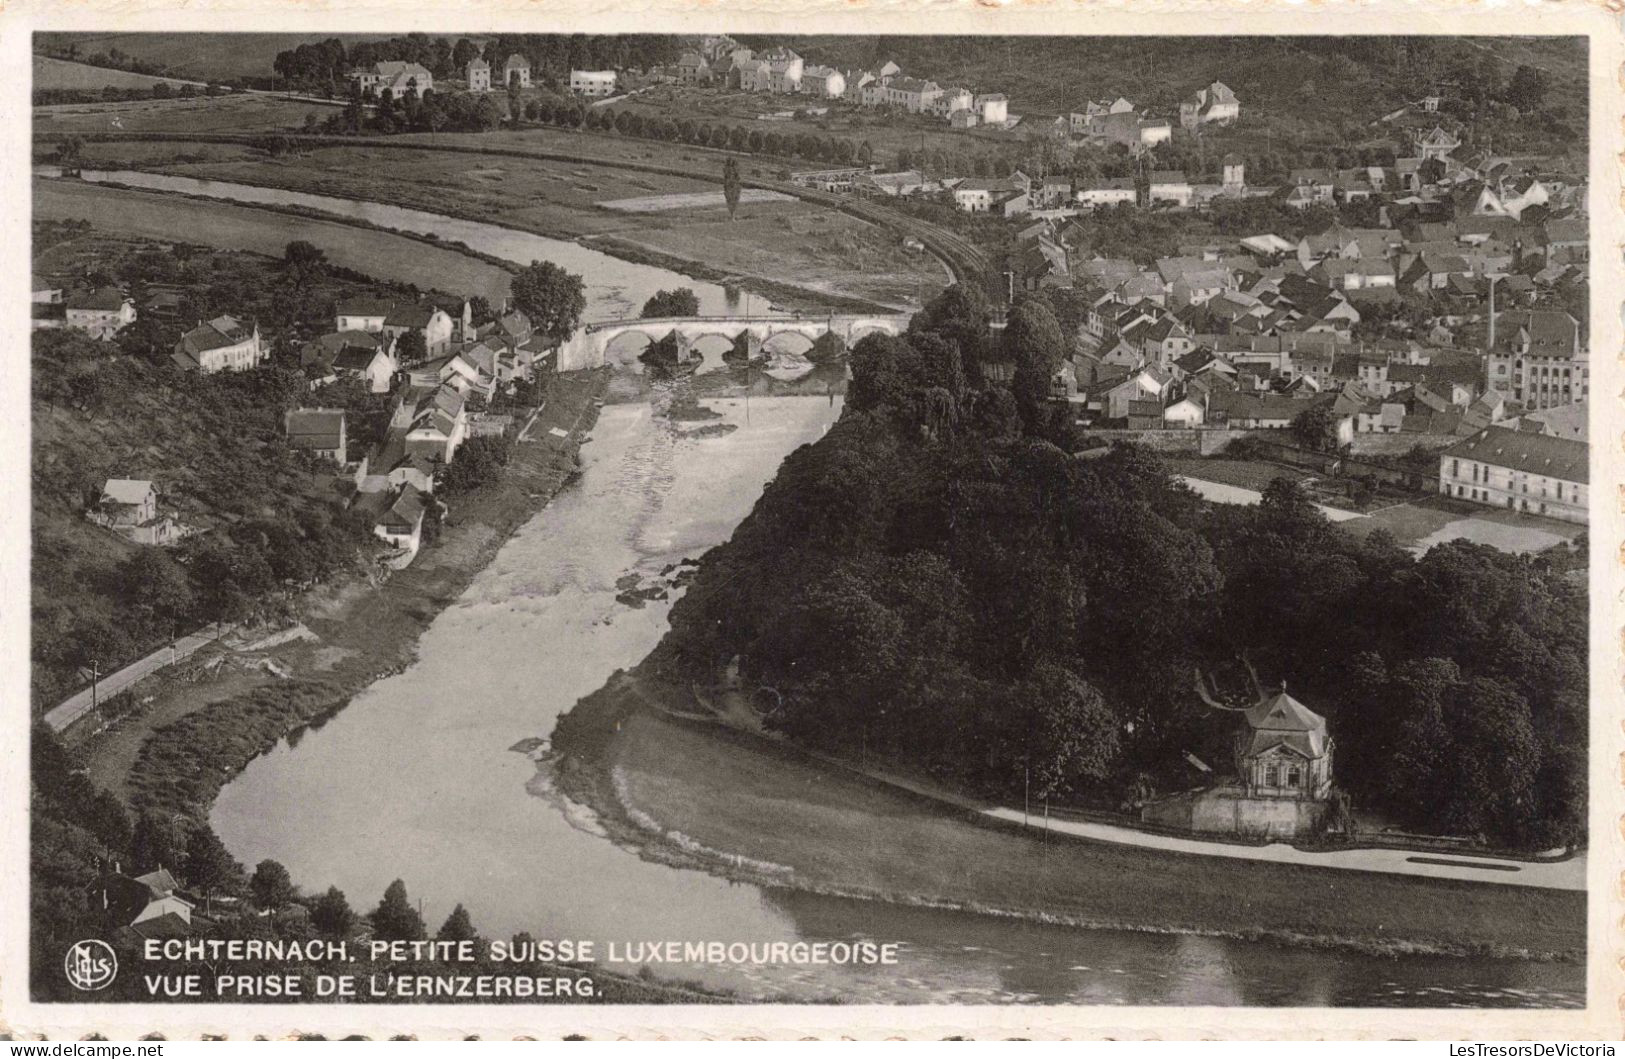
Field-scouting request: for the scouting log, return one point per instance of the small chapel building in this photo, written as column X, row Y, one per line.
column 1283, row 750
column 1282, row 782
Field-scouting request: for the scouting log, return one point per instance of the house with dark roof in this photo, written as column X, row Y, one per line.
column 222, row 344
column 1538, row 473
column 319, row 431
column 424, row 318
column 100, row 313
column 362, row 314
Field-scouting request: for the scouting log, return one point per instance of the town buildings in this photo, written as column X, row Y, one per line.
column 478, row 75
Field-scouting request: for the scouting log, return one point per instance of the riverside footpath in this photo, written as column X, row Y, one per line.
column 729, row 710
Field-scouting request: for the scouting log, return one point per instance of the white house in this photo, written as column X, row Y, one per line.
column 222, row 344
column 994, row 108
column 100, row 313
column 362, row 314
column 396, row 79
column 1112, row 191
column 1215, row 103
column 431, row 321
column 592, row 83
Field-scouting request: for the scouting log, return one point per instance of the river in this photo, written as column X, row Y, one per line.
column 614, row 287
column 416, row 779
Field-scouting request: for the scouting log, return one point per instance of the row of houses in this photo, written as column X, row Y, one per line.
column 401, row 79
column 780, row 71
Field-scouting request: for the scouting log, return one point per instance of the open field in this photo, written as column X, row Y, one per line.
column 240, row 112
column 206, row 56
column 1421, row 524
column 60, row 73
column 1245, row 474
column 782, row 241
column 837, row 831
column 166, row 217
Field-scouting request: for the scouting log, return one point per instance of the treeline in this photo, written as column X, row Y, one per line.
column 551, row 56
column 46, row 97
column 942, row 583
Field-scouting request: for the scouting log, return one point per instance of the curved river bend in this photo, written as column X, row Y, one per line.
column 615, row 287
column 416, row 779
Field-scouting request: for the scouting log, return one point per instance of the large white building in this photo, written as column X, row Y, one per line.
column 1519, row 471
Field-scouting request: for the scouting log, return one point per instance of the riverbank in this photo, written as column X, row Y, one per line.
column 203, row 726
column 788, row 293
column 160, row 216
column 698, row 795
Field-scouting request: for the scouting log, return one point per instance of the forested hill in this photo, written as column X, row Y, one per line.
column 1298, row 81
column 940, row 583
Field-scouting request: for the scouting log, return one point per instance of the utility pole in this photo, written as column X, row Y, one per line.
column 95, row 679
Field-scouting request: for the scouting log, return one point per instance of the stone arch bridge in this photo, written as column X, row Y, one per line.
column 588, row 346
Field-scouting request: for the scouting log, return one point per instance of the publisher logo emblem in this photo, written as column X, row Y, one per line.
column 91, row 965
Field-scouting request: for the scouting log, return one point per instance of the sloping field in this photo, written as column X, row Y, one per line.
column 700, row 200
column 59, row 73
column 167, row 217
column 233, row 113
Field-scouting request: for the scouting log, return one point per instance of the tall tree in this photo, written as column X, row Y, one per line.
column 1033, row 342
column 395, row 919
column 731, row 186
column 457, row 927
column 553, row 298
column 331, row 914
column 271, row 885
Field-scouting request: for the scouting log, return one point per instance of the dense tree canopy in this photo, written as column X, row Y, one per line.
column 939, row 581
